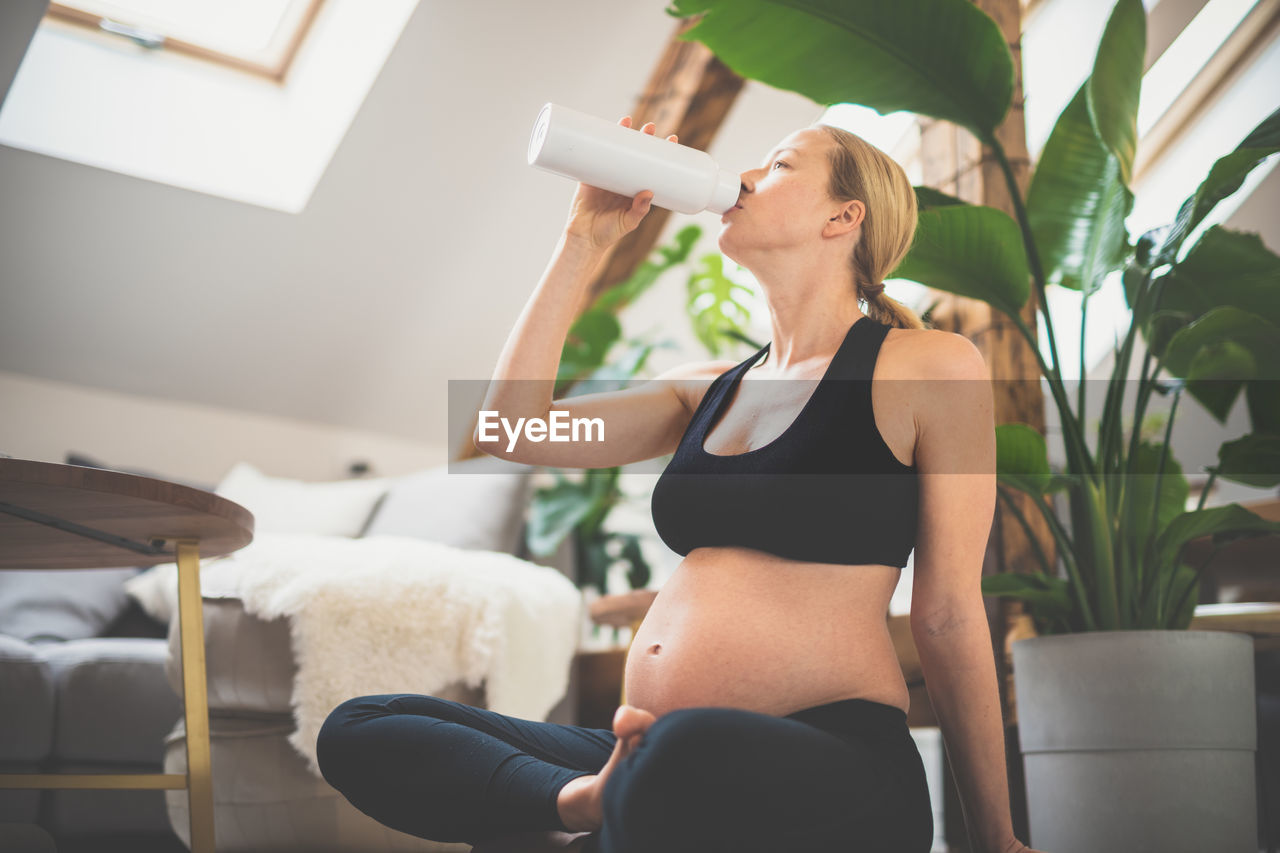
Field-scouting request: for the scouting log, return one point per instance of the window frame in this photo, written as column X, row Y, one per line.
column 275, row 71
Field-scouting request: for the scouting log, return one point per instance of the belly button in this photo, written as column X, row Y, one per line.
column 656, row 648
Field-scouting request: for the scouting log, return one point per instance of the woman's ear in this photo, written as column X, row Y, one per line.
column 848, row 218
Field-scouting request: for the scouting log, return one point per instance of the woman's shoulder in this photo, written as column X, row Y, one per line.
column 695, row 370
column 932, row 354
column 692, row 379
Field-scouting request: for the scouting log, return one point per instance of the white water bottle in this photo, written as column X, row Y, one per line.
column 601, row 154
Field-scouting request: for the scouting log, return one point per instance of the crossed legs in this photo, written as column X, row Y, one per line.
column 701, row 779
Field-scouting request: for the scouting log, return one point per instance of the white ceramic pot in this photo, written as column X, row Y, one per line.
column 1139, row 740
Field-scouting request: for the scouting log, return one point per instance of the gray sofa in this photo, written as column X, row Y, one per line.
column 88, row 683
column 78, row 694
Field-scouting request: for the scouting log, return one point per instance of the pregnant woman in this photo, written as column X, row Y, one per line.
column 766, row 709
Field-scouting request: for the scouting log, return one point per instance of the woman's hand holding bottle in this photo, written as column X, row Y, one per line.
column 600, row 218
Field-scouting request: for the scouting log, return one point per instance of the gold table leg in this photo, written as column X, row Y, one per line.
column 195, row 699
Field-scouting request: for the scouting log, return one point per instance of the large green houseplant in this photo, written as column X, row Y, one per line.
column 1110, row 711
column 1209, row 314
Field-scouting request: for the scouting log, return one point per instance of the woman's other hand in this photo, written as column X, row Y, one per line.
column 581, row 802
column 600, row 217
column 1016, row 846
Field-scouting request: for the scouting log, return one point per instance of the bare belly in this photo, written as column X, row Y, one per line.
column 734, row 627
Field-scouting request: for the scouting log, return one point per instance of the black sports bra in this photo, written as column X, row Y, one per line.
column 827, row 490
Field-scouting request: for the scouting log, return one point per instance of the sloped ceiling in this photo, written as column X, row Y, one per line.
column 407, row 269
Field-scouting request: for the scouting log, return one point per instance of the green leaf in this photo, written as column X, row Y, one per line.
column 1226, row 176
column 589, row 339
column 1098, row 553
column 1114, row 85
column 1253, row 460
column 593, row 552
column 713, row 304
column 1225, row 267
column 1022, row 458
column 1258, row 336
column 1140, row 496
column 1062, row 482
column 1048, row 598
column 597, row 328
column 1265, row 135
column 1263, row 400
column 1231, row 518
column 972, row 251
column 638, row 573
column 1183, row 587
column 617, row 373
column 1214, row 377
column 583, row 504
column 1162, row 326
column 928, row 197
column 1077, row 203
column 940, row 58
column 1220, row 353
column 662, row 259
column 602, row 485
column 554, row 512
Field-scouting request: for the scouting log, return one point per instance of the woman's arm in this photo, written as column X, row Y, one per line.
column 955, row 457
column 640, row 422
column 616, row 427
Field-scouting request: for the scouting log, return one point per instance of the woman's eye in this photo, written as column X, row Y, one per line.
column 779, row 163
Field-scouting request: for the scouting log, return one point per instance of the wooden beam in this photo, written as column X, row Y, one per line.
column 689, row 94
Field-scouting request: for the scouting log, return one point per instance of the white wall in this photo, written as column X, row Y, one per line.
column 44, row 420
column 301, row 343
column 407, row 269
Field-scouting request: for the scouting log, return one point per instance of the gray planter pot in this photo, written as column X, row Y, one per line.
column 1138, row 740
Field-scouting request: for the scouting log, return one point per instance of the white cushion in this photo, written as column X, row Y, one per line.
column 281, row 505
column 476, row 503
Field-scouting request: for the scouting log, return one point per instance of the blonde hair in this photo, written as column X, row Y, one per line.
column 859, row 170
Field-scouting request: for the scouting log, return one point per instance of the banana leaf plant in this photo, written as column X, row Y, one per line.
column 1208, row 309
column 595, row 358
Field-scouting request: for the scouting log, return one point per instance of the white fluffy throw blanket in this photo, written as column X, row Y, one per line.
column 388, row 614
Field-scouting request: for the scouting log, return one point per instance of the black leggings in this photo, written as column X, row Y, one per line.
column 845, row 776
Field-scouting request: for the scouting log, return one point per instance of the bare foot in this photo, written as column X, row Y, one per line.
column 536, row 842
column 581, row 802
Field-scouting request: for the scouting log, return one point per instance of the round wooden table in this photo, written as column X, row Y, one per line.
column 68, row 517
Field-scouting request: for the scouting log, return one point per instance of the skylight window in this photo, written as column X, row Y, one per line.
column 261, row 36
column 174, row 118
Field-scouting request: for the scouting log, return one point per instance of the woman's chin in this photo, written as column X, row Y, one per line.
column 724, row 242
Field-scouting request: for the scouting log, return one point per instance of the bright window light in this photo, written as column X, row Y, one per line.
column 176, row 119
column 1170, row 75
column 1051, row 74
column 1215, row 132
column 232, row 26
column 884, row 132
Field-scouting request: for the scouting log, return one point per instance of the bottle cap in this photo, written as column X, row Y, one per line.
column 725, row 195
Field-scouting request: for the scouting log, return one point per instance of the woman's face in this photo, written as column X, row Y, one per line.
column 783, row 203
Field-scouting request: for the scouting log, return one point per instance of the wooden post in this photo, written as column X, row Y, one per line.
column 954, row 161
column 689, row 94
